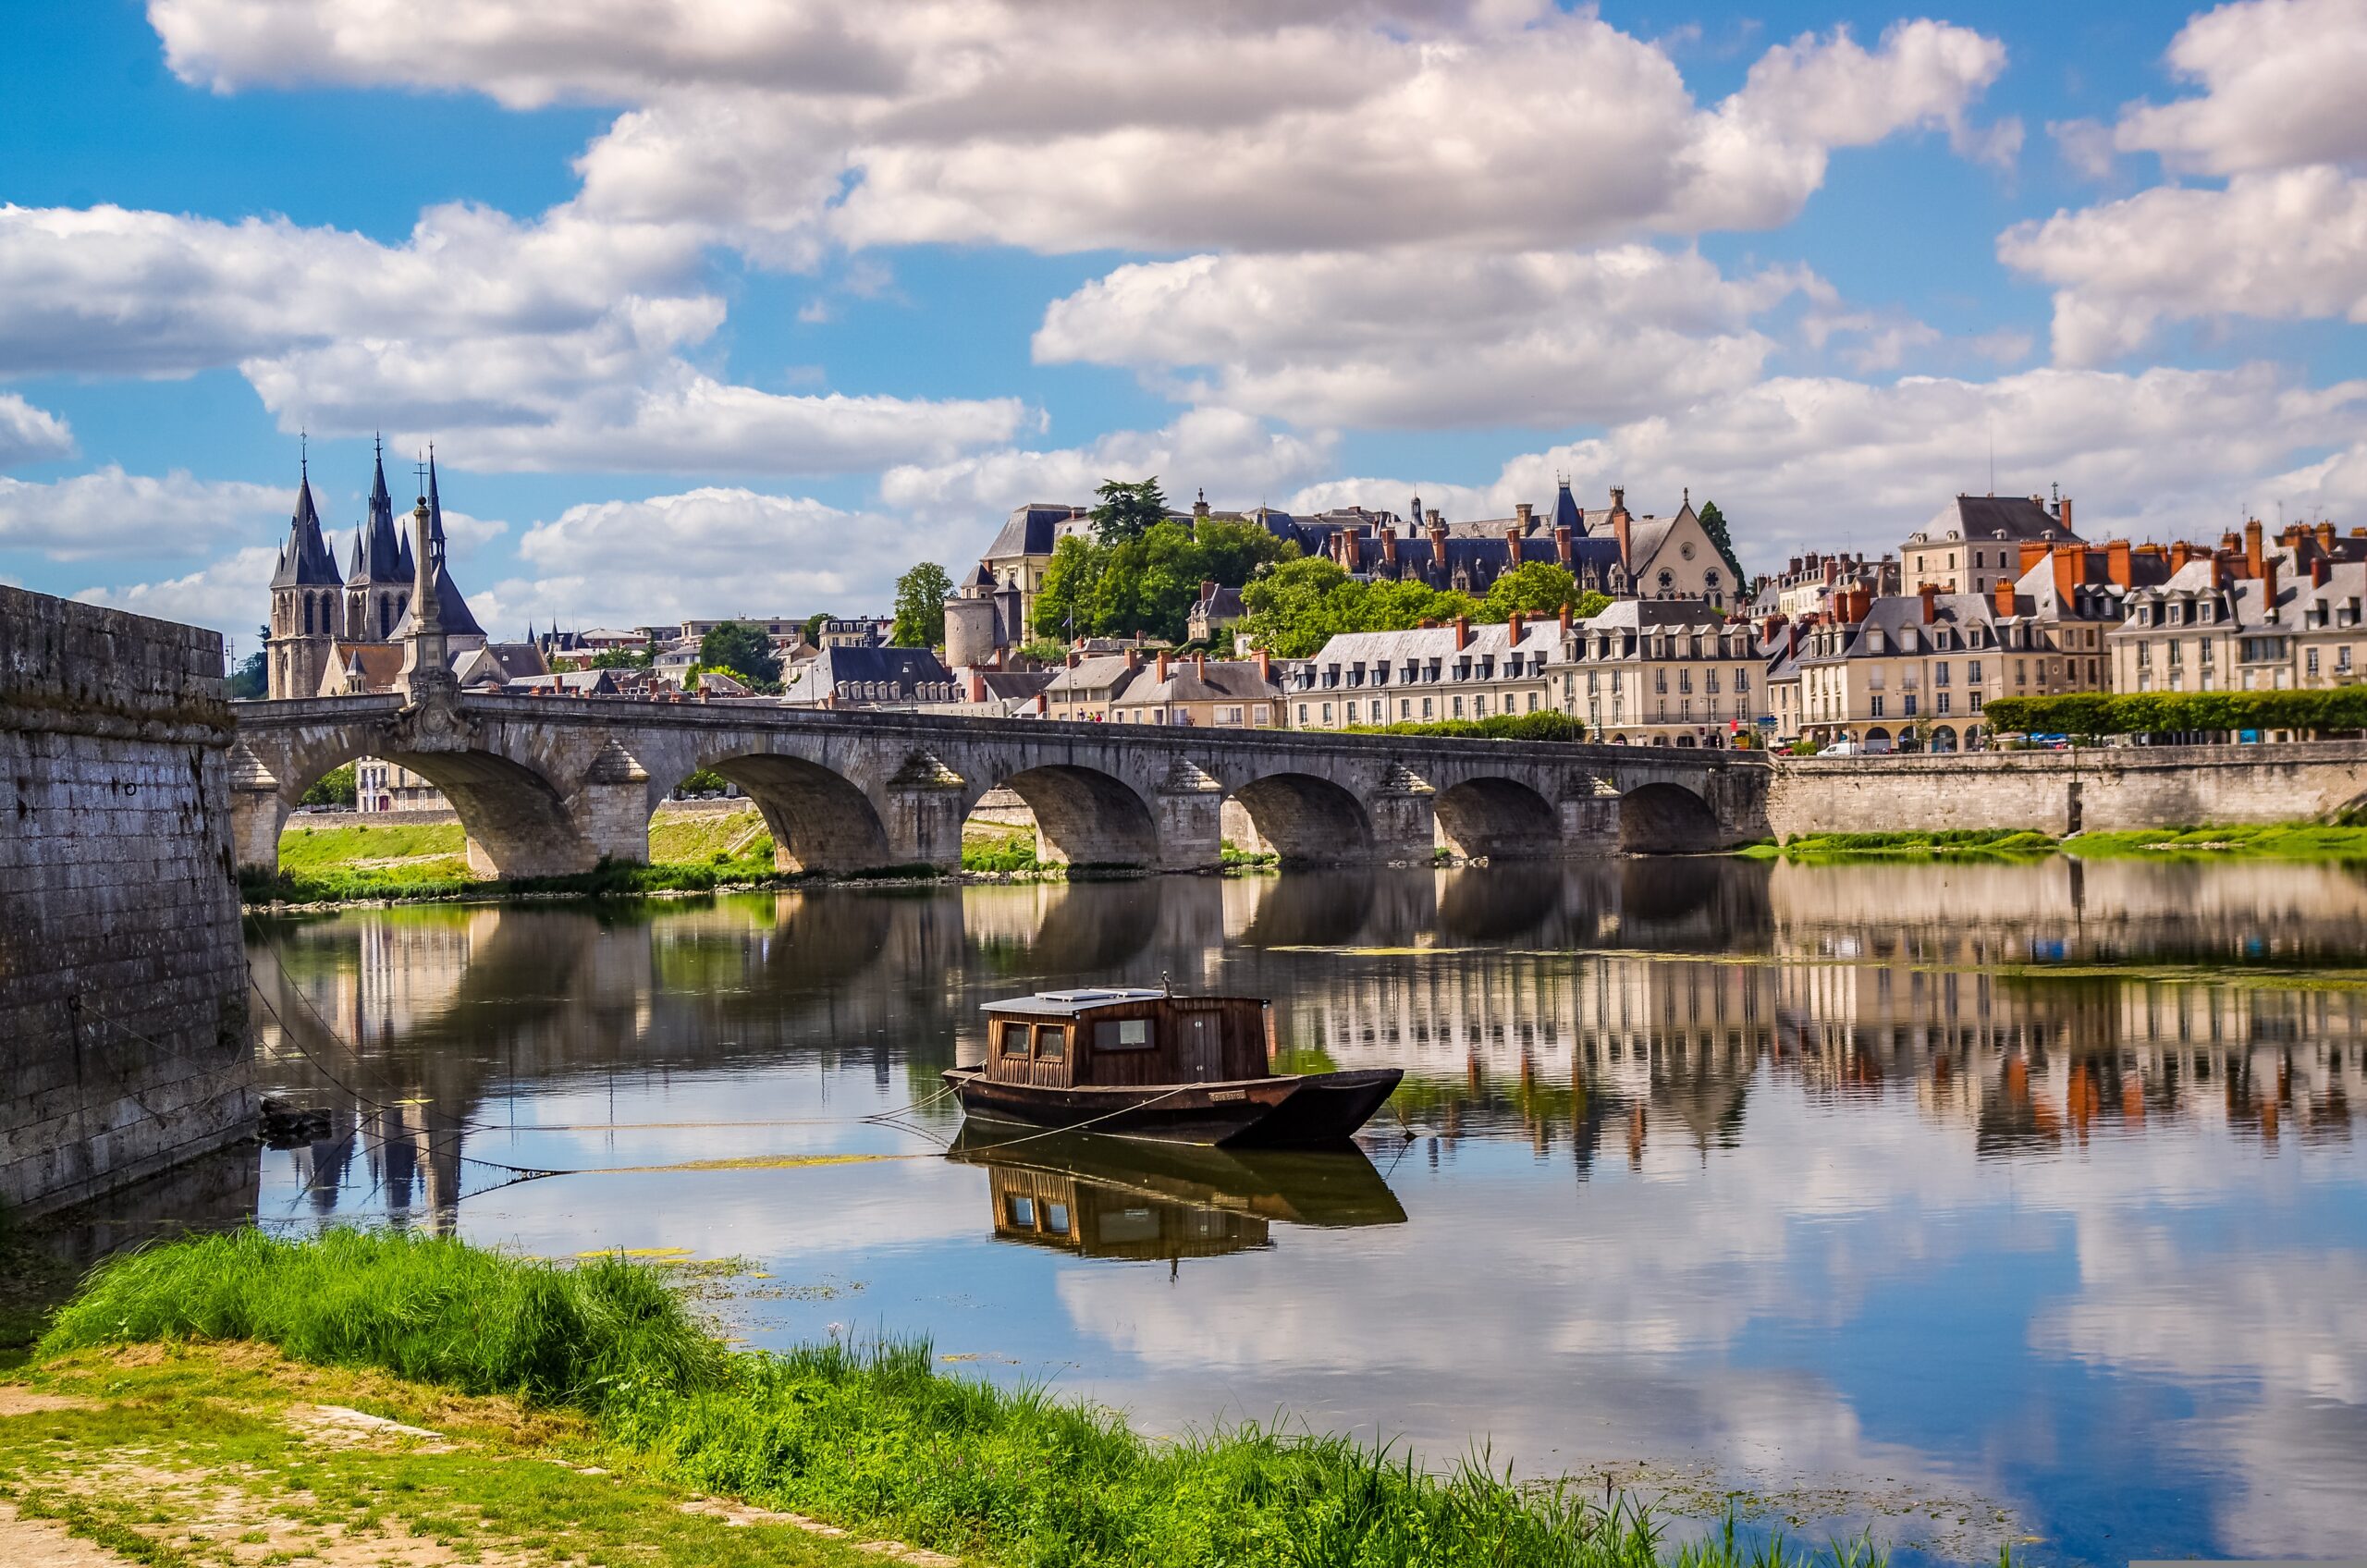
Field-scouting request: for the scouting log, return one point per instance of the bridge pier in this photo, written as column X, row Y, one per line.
column 1188, row 814
column 924, row 818
column 1405, row 815
column 256, row 813
column 1590, row 821
column 612, row 809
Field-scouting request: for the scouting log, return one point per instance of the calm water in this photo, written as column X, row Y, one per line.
column 1976, row 1203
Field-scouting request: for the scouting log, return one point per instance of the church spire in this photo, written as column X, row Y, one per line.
column 306, row 559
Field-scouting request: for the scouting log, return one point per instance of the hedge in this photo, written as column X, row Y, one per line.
column 1496, row 726
column 2175, row 713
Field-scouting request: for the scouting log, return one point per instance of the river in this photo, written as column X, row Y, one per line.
column 1973, row 1204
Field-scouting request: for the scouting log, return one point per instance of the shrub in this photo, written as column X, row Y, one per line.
column 1495, row 727
column 2180, row 713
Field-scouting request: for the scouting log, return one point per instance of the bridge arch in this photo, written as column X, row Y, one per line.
column 820, row 819
column 1487, row 817
column 1308, row 820
column 517, row 823
column 1087, row 818
column 1665, row 818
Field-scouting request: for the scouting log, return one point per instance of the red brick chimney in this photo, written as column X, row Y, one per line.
column 1438, row 540
column 2325, row 537
column 1388, row 544
column 1619, row 520
column 1351, row 550
column 1200, row 665
column 1043, row 704
column 2004, row 594
column 1161, row 675
column 2116, row 558
column 2321, row 568
column 1073, row 656
column 2268, row 585
column 1861, row 603
column 1207, row 588
column 1514, row 533
column 2070, row 569
column 2180, row 553
column 2032, row 552
column 1930, row 594
column 977, row 687
column 2063, row 514
column 1133, row 658
column 1462, row 633
column 1565, row 620
column 1562, row 547
column 1513, row 625
column 2252, row 546
column 1264, row 667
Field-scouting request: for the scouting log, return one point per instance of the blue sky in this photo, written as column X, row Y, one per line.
column 740, row 306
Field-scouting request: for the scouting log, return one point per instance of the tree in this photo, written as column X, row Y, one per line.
column 1592, row 604
column 814, row 624
column 743, row 651
column 1128, row 512
column 1537, row 588
column 623, row 658
column 920, row 606
column 1064, row 604
column 1713, row 523
column 1147, row 584
column 252, row 677
column 334, row 788
column 1297, row 606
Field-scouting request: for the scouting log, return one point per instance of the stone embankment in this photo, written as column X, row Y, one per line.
column 123, row 1025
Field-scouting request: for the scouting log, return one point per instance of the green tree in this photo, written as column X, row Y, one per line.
column 1591, row 605
column 814, row 624
column 1297, row 606
column 1064, row 605
column 743, row 651
column 252, row 677
column 1713, row 523
column 1537, row 588
column 334, row 788
column 623, row 658
column 1128, row 512
column 920, row 606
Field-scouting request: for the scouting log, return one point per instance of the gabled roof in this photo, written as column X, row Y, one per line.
column 458, row 621
column 900, row 669
column 304, row 559
column 2009, row 517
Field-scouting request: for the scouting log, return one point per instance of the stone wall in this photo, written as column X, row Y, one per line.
column 2092, row 789
column 124, row 1046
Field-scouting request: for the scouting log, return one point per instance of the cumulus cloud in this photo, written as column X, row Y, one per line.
column 2280, row 83
column 1234, row 450
column 1427, row 338
column 109, row 512
column 1799, row 461
column 230, row 594
column 1300, row 127
column 672, row 556
column 31, row 434
column 2287, row 245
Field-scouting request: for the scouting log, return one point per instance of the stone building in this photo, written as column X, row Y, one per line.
column 1807, row 584
column 1663, row 672
column 853, row 677
column 1974, row 542
column 1911, row 671
column 1430, row 673
column 2251, row 616
column 1202, row 691
column 1612, row 551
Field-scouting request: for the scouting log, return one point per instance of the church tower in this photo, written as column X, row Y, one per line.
column 306, row 603
column 378, row 585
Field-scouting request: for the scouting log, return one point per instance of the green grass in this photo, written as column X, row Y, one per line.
column 698, row 838
column 2279, row 841
column 870, row 1438
column 309, row 850
column 999, row 852
column 1998, row 843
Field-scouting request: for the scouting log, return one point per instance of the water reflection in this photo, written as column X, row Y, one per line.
column 1943, row 1185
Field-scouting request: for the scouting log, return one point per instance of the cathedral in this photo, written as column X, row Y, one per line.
column 337, row 635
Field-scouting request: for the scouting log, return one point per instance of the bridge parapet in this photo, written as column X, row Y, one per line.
column 548, row 786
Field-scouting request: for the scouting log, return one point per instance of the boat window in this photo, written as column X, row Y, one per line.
column 1122, row 1035
column 1051, row 1041
column 1021, row 1210
column 1014, row 1039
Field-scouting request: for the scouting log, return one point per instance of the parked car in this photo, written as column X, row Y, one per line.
column 1843, row 749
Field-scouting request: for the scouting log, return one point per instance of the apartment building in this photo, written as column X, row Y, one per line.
column 1663, row 672
column 1975, row 542
column 1909, row 671
column 2251, row 616
column 1134, row 687
column 1429, row 674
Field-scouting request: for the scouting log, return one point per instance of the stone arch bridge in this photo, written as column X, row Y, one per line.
column 551, row 785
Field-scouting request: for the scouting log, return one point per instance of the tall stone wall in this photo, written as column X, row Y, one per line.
column 124, row 1046
column 2090, row 790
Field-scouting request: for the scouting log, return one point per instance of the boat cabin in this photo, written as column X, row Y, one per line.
column 1123, row 1037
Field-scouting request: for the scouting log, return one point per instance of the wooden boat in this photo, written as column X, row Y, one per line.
column 1137, row 1063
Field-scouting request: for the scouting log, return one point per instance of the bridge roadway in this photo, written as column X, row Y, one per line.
column 550, row 786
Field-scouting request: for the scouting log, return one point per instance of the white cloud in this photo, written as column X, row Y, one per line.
column 109, row 512
column 2280, row 82
column 1820, row 461
column 1248, row 462
column 715, row 551
column 1427, row 338
column 230, row 595
column 31, row 434
column 1303, row 127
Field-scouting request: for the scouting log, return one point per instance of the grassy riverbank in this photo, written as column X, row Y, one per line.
column 1999, row 843
column 600, row 1366
column 2284, row 840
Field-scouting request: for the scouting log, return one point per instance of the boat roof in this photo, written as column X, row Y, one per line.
column 1067, row 1004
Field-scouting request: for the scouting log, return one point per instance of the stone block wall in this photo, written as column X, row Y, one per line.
column 124, row 1046
column 2091, row 790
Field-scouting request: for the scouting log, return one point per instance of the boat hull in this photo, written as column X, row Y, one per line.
column 1292, row 1111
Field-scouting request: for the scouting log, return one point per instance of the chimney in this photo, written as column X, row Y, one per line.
column 1351, row 550
column 1073, row 658
column 1792, row 637
column 1162, row 675
column 1264, row 667
column 1930, row 593
column 1514, row 533
column 2268, row 588
column 1565, row 620
column 2116, row 558
column 1207, row 588
column 1134, row 659
column 1831, row 569
column 2321, row 568
column 1526, row 513
column 2003, row 596
column 1438, row 518
column 2252, row 545
column 1561, row 550
column 1462, row 633
column 2179, row 552
column 977, row 686
column 1861, row 604
column 1438, row 543
column 2032, row 552
column 1043, row 704
column 1619, row 520
column 2063, row 513
column 2070, row 569
column 1514, row 624
column 1388, row 544
column 1200, row 665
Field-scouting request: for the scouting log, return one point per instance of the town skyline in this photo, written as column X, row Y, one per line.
column 1826, row 264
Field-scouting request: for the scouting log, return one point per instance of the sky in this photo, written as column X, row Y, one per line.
column 716, row 307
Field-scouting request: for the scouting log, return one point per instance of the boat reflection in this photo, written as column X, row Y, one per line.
column 1140, row 1201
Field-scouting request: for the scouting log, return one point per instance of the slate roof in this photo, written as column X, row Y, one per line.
column 304, row 559
column 1220, row 680
column 903, row 670
column 380, row 552
column 2011, row 517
